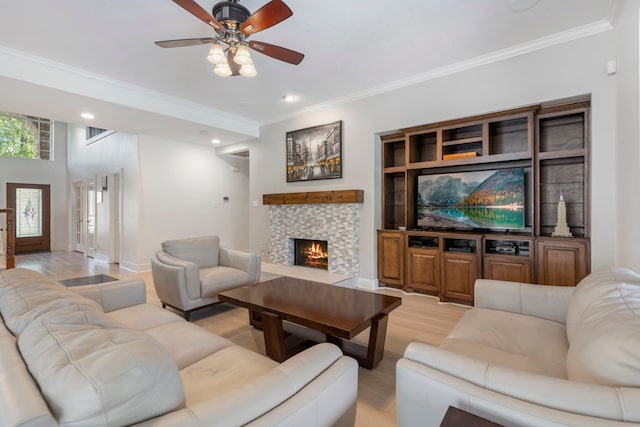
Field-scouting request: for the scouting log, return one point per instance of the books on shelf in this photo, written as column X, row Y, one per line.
column 465, row 155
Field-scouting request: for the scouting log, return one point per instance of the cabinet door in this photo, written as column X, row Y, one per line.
column 459, row 273
column 562, row 262
column 423, row 269
column 391, row 258
column 510, row 268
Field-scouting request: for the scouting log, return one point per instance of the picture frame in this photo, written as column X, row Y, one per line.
column 314, row 153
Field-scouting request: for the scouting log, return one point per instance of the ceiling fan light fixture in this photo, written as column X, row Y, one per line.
column 248, row 70
column 222, row 70
column 242, row 55
column 216, row 54
column 233, row 24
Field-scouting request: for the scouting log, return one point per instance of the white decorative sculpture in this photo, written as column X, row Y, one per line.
column 562, row 229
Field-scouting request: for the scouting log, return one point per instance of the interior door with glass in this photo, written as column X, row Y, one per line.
column 91, row 217
column 78, row 216
column 32, row 206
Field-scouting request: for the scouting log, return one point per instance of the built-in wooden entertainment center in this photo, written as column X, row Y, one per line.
column 551, row 144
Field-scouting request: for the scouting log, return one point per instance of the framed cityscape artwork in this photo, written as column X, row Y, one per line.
column 315, row 153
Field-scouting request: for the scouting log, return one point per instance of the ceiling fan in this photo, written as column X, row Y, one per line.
column 233, row 24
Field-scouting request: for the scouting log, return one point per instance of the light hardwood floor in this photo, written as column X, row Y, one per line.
column 419, row 318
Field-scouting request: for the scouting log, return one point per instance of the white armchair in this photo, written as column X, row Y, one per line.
column 188, row 274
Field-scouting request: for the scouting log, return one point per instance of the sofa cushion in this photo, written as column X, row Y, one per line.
column 513, row 340
column 204, row 251
column 17, row 274
column 25, row 295
column 185, row 342
column 591, row 290
column 224, row 370
column 605, row 330
column 217, row 279
column 91, row 371
column 144, row 316
column 21, row 403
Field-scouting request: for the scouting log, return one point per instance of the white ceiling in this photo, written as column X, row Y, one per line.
column 66, row 56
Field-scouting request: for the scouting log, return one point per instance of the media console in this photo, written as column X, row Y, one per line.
column 549, row 143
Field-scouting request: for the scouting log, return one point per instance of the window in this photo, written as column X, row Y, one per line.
column 96, row 134
column 25, row 136
column 29, row 208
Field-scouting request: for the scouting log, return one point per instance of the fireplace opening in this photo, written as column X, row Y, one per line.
column 311, row 253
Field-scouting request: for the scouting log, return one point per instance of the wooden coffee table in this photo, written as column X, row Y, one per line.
column 339, row 313
column 455, row 417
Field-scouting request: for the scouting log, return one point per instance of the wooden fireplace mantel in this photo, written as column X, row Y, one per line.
column 314, row 197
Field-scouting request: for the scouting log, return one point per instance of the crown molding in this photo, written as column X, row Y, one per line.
column 500, row 55
column 33, row 69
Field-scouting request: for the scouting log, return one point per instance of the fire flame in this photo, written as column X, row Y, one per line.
column 315, row 257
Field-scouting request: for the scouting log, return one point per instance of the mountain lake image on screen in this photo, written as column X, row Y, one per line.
column 491, row 199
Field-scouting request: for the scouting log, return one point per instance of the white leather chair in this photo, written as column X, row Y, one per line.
column 188, row 274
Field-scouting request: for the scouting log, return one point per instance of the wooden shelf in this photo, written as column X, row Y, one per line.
column 394, row 169
column 314, row 197
column 461, row 141
column 561, row 154
column 550, row 144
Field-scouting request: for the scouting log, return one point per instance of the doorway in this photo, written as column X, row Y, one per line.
column 91, row 218
column 32, row 206
column 78, row 217
column 96, row 217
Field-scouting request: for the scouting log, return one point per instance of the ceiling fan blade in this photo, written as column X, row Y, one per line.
column 184, row 42
column 193, row 8
column 277, row 52
column 267, row 16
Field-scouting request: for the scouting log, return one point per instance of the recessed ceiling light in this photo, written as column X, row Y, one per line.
column 87, row 116
column 215, row 141
column 289, row 98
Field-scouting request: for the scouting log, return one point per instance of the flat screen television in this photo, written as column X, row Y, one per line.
column 489, row 199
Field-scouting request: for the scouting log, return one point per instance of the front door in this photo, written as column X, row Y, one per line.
column 32, row 207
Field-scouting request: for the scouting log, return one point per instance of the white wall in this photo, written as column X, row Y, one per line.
column 567, row 70
column 628, row 136
column 182, row 190
column 170, row 189
column 112, row 154
column 52, row 172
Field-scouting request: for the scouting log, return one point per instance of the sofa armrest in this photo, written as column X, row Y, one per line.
column 115, row 295
column 315, row 388
column 244, row 261
column 546, row 302
column 172, row 272
column 611, row 403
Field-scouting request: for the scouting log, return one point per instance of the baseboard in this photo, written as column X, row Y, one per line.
column 370, row 284
column 102, row 258
column 137, row 268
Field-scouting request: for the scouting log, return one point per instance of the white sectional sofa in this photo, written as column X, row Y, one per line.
column 98, row 355
column 531, row 355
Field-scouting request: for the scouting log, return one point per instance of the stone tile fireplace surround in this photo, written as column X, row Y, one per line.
column 333, row 216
